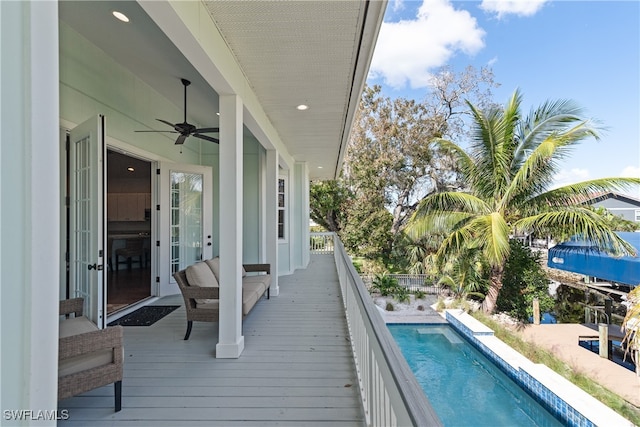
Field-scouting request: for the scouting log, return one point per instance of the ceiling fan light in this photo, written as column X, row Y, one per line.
column 120, row 16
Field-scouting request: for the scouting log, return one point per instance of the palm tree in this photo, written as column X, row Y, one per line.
column 509, row 171
column 463, row 274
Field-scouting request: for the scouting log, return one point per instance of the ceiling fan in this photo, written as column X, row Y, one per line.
column 187, row 129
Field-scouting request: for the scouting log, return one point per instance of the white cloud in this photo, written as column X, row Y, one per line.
column 631, row 172
column 570, row 176
column 407, row 50
column 397, row 5
column 512, row 7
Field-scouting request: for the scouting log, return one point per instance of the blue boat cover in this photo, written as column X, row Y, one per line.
column 582, row 257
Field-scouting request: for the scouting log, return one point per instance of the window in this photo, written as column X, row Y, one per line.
column 282, row 204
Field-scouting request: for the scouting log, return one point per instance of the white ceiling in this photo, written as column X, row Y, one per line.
column 291, row 52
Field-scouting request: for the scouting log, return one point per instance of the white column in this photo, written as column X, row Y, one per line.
column 271, row 217
column 29, row 200
column 230, row 341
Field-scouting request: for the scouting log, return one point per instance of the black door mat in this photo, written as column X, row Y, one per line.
column 145, row 316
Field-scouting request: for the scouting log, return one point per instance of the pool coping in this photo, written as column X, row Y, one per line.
column 568, row 402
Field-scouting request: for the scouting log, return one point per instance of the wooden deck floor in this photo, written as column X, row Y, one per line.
column 296, row 369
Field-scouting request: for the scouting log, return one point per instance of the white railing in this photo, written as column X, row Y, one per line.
column 321, row 243
column 391, row 396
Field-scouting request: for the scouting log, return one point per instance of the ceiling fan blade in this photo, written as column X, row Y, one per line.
column 166, row 123
column 181, row 139
column 207, row 138
column 207, row 130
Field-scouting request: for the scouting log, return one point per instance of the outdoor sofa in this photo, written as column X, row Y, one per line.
column 199, row 284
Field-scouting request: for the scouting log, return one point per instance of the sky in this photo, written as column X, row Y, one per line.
column 586, row 51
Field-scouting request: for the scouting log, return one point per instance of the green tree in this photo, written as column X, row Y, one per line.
column 389, row 160
column 329, row 202
column 524, row 280
column 509, row 169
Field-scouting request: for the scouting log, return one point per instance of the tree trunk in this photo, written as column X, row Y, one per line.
column 399, row 212
column 489, row 303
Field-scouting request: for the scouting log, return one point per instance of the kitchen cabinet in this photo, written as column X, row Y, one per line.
column 127, row 206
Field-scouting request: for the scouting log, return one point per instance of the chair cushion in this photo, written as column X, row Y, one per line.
column 199, row 274
column 75, row 326
column 83, row 362
column 72, row 365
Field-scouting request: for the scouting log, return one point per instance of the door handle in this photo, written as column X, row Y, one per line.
column 95, row 267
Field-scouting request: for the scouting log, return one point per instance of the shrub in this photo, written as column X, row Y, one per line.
column 524, row 279
column 389, row 307
column 401, row 294
column 420, row 294
column 384, row 284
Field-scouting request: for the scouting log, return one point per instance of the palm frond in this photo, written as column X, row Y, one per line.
column 492, row 233
column 581, row 192
column 581, row 222
column 462, row 158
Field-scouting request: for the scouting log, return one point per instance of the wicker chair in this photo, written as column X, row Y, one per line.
column 88, row 357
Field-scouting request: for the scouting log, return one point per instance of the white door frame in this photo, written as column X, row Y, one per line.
column 167, row 284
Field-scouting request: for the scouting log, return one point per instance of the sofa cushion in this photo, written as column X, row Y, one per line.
column 213, row 304
column 251, row 293
column 214, row 265
column 263, row 279
column 200, row 274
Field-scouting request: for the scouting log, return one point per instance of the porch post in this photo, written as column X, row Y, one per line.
column 29, row 202
column 272, row 218
column 230, row 338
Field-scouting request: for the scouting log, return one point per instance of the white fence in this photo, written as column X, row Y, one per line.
column 391, row 396
column 413, row 282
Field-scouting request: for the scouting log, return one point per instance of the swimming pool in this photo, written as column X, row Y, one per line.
column 463, row 386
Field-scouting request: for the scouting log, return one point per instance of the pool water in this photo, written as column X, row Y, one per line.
column 463, row 386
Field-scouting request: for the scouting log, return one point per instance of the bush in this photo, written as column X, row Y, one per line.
column 401, row 294
column 523, row 280
column 384, row 284
column 420, row 294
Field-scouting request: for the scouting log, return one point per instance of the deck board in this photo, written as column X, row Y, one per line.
column 296, row 368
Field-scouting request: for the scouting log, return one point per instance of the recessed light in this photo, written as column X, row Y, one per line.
column 302, row 107
column 121, row 16
column 320, row 167
column 130, row 169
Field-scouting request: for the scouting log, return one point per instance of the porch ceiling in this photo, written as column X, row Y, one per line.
column 315, row 53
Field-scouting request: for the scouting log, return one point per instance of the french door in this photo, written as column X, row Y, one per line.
column 87, row 151
column 186, row 220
